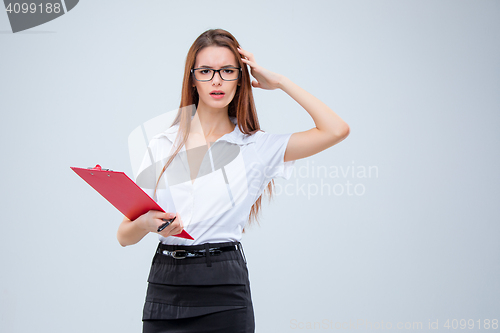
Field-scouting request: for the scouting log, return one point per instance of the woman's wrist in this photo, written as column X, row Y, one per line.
column 141, row 223
column 283, row 82
column 129, row 232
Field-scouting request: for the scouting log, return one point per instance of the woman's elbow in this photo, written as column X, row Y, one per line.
column 344, row 131
column 340, row 134
column 121, row 241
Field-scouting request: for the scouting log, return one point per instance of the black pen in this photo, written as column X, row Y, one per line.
column 166, row 224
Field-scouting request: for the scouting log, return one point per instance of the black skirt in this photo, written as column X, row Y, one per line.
column 207, row 294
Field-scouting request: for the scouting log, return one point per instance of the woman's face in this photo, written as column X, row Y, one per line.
column 217, row 93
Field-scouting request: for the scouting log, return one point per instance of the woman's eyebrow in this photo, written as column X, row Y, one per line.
column 205, row 66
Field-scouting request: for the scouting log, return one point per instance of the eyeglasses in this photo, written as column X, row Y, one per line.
column 207, row 74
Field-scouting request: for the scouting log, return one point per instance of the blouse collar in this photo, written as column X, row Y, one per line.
column 236, row 136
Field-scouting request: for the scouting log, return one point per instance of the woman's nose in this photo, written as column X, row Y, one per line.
column 217, row 80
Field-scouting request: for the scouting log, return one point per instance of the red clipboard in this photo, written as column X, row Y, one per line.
column 122, row 192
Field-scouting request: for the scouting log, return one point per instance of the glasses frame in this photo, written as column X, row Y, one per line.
column 217, row 71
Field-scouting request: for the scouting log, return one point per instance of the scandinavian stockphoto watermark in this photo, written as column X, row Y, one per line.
column 220, row 173
column 25, row 15
column 311, row 179
column 383, row 325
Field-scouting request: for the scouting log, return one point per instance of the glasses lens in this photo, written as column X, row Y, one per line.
column 203, row 74
column 229, row 73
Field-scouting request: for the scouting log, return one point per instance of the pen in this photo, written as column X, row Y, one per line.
column 166, row 224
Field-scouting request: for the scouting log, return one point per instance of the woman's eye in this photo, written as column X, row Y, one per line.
column 229, row 71
column 205, row 71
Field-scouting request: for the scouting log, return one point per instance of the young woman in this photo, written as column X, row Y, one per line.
column 215, row 164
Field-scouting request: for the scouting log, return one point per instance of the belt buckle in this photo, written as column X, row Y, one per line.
column 173, row 254
column 215, row 252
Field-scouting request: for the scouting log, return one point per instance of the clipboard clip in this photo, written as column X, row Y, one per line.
column 98, row 168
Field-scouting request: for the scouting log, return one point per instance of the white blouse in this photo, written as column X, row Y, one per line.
column 233, row 173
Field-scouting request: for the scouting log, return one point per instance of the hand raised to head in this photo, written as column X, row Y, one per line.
column 265, row 79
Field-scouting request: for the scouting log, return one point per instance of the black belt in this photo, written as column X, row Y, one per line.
column 183, row 254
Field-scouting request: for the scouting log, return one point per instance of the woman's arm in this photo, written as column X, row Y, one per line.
column 330, row 128
column 131, row 232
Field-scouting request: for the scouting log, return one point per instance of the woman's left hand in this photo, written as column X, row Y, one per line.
column 265, row 79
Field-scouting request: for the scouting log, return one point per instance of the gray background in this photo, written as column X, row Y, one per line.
column 417, row 81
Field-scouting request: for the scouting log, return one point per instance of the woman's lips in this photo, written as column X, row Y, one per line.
column 217, row 94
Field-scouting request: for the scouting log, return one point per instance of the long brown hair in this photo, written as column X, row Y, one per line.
column 242, row 106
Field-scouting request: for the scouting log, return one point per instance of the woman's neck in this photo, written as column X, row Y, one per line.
column 212, row 122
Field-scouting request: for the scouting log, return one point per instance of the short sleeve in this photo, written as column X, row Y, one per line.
column 271, row 150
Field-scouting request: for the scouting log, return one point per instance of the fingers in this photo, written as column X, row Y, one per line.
column 162, row 215
column 248, row 58
column 174, row 228
column 249, row 62
column 246, row 55
column 177, row 229
column 180, row 219
column 178, row 225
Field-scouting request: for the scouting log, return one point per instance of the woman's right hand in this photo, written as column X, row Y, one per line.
column 152, row 220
